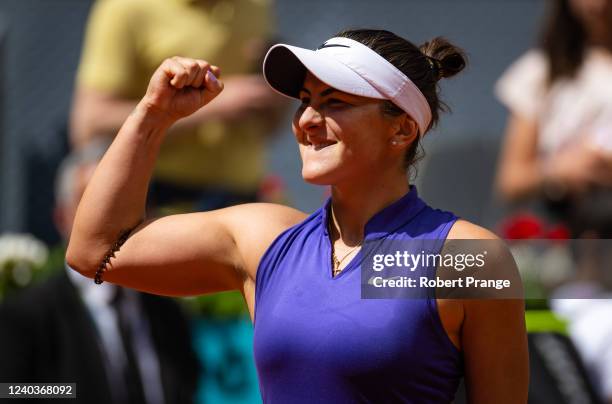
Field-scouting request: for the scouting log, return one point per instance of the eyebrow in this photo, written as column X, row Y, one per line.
column 323, row 93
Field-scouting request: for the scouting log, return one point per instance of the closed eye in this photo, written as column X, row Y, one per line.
column 336, row 102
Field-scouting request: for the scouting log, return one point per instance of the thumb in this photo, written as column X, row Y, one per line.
column 212, row 84
column 210, row 88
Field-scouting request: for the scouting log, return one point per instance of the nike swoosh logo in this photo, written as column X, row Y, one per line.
column 332, row 46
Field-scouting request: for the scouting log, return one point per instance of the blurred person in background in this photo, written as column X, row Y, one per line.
column 558, row 142
column 558, row 151
column 65, row 330
column 215, row 157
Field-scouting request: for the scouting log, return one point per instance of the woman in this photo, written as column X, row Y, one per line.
column 558, row 151
column 558, row 142
column 316, row 340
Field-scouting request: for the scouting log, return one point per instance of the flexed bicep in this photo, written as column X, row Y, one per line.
column 177, row 255
column 197, row 253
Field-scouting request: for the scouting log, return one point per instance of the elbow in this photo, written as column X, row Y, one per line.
column 511, row 188
column 507, row 191
column 79, row 262
column 518, row 179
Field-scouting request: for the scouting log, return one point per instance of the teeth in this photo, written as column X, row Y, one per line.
column 322, row 145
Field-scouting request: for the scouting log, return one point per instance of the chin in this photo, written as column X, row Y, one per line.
column 317, row 177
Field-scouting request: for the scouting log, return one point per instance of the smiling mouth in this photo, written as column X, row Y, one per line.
column 320, row 146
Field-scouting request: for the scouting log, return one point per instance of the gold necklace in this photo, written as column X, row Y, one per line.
column 335, row 261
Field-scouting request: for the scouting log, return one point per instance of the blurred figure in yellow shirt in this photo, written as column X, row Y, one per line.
column 215, row 157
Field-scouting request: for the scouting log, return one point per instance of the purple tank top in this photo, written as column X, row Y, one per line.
column 317, row 341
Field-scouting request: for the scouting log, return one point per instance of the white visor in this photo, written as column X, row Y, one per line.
column 348, row 66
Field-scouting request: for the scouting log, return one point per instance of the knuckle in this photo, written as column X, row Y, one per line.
column 192, row 66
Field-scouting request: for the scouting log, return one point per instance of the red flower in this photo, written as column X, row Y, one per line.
column 522, row 226
column 558, row 232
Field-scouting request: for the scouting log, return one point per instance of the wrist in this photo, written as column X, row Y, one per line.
column 148, row 112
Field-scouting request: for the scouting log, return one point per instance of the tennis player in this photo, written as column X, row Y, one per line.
column 367, row 99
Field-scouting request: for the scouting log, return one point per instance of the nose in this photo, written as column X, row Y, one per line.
column 310, row 119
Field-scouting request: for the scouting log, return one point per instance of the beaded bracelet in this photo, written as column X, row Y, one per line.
column 110, row 254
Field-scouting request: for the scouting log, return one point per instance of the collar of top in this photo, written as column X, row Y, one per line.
column 388, row 220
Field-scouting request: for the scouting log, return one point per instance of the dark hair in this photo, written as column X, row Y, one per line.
column 424, row 65
column 563, row 41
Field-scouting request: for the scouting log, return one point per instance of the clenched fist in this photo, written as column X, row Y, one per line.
column 180, row 86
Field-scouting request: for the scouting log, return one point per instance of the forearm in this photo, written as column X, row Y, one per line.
column 96, row 115
column 521, row 181
column 520, row 173
column 115, row 198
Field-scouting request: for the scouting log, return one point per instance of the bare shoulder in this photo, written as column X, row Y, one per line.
column 463, row 238
column 468, row 238
column 486, row 303
column 473, row 238
column 255, row 226
column 462, row 229
column 263, row 217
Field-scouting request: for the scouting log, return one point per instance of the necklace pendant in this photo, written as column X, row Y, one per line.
column 336, row 268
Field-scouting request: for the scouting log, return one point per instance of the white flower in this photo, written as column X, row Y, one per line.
column 22, row 248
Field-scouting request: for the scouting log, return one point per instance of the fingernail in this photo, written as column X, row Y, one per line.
column 210, row 77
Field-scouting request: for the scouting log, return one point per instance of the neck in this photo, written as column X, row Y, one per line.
column 354, row 204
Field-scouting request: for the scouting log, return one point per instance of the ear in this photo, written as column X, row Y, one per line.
column 405, row 131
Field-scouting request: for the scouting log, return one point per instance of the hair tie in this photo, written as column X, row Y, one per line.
column 435, row 66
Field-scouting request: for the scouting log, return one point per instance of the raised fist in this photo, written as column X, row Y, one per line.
column 180, row 86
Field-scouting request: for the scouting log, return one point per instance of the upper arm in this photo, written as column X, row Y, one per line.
column 518, row 161
column 495, row 351
column 523, row 90
column 493, row 333
column 520, row 140
column 195, row 253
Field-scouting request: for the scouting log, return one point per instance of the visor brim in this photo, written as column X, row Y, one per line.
column 285, row 68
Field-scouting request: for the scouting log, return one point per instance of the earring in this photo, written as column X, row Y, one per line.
column 394, row 142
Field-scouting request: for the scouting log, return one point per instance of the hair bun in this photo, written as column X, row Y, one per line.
column 445, row 58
